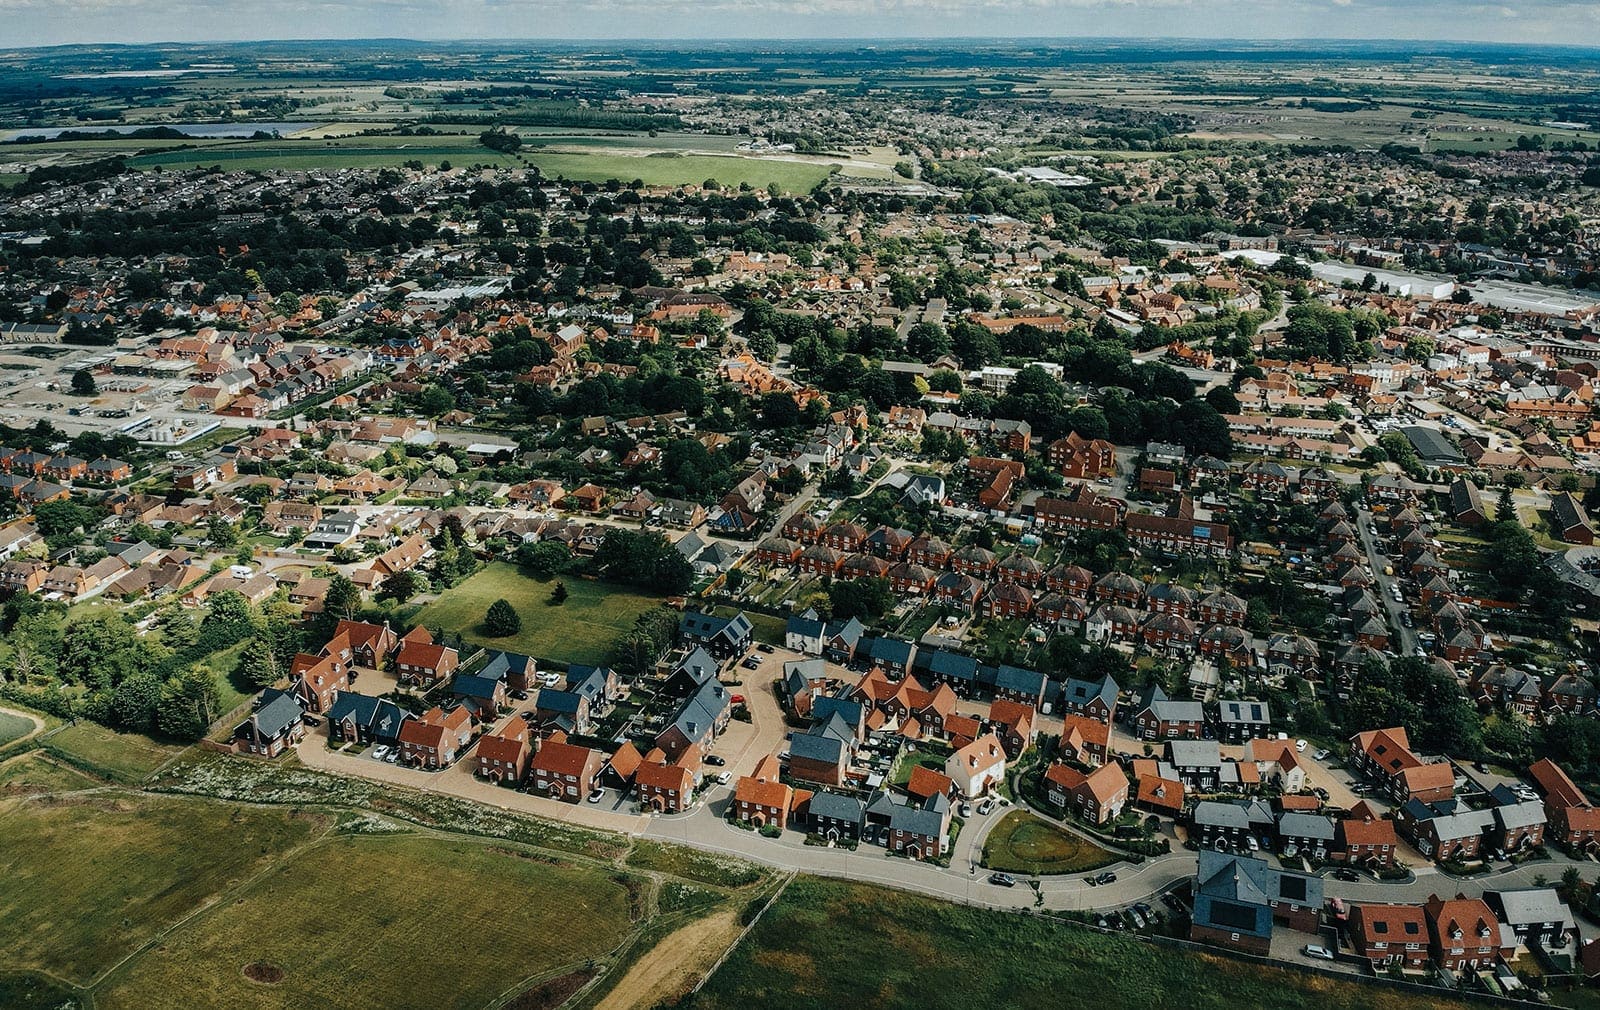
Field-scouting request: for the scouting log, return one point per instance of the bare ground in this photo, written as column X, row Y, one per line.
column 675, row 964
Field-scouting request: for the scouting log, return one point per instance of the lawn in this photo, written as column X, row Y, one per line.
column 13, row 727
column 1023, row 843
column 90, row 880
column 826, row 944
column 581, row 630
column 383, row 922
column 125, row 757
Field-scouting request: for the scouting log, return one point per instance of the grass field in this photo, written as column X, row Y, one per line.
column 581, row 630
column 13, row 727
column 1022, row 843
column 124, row 757
column 383, row 922
column 26, row 991
column 90, row 880
column 693, row 864
column 34, row 773
column 827, row 944
column 791, row 176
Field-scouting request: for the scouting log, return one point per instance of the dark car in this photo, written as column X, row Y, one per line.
column 715, row 761
column 1106, row 878
column 1346, row 874
column 1003, row 879
column 764, row 647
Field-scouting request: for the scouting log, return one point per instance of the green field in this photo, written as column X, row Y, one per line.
column 34, row 773
column 791, row 176
column 581, row 630
column 1023, row 843
column 124, row 757
column 692, row 864
column 826, row 944
column 13, row 727
column 383, row 922
column 89, row 881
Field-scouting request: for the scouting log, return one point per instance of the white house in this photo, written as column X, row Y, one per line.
column 978, row 767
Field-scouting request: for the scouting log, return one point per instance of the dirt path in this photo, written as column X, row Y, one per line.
column 674, row 965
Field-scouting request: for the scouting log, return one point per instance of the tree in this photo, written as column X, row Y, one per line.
column 501, row 620
column 1223, row 399
column 134, row 702
column 259, row 666
column 343, row 599
column 189, row 703
column 1198, row 426
column 544, row 558
column 558, row 595
column 83, row 383
column 867, row 599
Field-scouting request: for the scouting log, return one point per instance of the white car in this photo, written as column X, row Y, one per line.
column 380, row 752
column 1317, row 951
column 597, row 796
column 549, row 678
column 723, row 778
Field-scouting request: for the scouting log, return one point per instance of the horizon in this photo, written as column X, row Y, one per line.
column 37, row 24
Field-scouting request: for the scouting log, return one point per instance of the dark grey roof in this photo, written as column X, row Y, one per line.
column 836, row 807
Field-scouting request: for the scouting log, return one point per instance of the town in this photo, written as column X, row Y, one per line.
column 1185, row 537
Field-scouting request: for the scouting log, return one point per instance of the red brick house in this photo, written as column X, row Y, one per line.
column 1462, row 933
column 1389, row 935
column 1097, row 797
column 503, row 755
column 564, row 771
column 760, row 798
column 421, row 662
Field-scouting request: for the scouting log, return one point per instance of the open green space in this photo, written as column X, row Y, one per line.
column 33, row 774
column 681, row 861
column 124, row 757
column 383, row 922
column 827, row 944
column 13, row 727
column 790, row 176
column 91, row 880
column 1022, row 843
column 581, row 630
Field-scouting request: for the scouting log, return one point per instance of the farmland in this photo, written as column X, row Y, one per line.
column 829, row 944
column 581, row 630
column 1022, row 843
column 123, row 757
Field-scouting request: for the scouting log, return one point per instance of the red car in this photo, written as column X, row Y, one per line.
column 737, row 699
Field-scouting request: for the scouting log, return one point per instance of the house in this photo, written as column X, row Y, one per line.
column 834, row 817
column 724, row 638
column 1385, row 755
column 667, row 788
column 564, row 771
column 822, row 753
column 276, row 724
column 1084, row 740
column 317, row 679
column 436, row 739
column 1569, row 520
column 978, row 767
column 599, row 685
column 1305, row 834
column 917, row 831
column 760, row 799
column 1462, row 932
column 566, row 711
column 1097, row 796
column 421, row 662
column 1158, row 717
column 515, row 669
column 1096, row 699
column 1198, row 763
column 1012, row 722
column 1239, row 721
column 485, row 696
column 1365, row 839
column 1573, row 820
column 1225, row 825
column 370, row 644
column 1537, row 917
column 504, row 754
column 1238, row 899
column 1389, row 935
column 699, row 719
column 361, row 718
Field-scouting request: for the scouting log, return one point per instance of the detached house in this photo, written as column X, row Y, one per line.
column 276, row 725
column 564, row 771
column 1097, row 796
column 978, row 767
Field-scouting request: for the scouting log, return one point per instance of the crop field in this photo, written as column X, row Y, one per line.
column 827, row 944
column 1022, row 843
column 90, row 880
column 369, row 918
column 581, row 630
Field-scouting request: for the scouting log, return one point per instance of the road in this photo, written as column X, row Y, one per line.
column 1406, row 637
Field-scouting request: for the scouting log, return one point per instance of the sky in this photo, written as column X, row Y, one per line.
column 53, row 22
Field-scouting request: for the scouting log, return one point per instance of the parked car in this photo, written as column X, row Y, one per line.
column 381, row 752
column 1300, row 746
column 1003, row 879
column 1092, row 881
column 753, row 663
column 1346, row 874
column 1106, row 878
column 737, row 699
column 966, row 810
column 764, row 647
column 985, row 808
column 1320, row 754
column 597, row 796
column 723, row 778
column 715, row 761
column 1317, row 951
